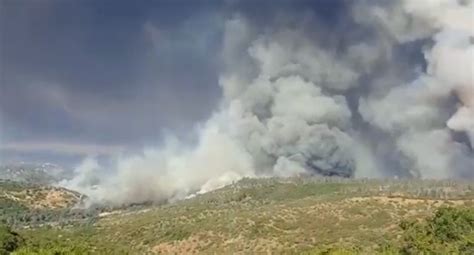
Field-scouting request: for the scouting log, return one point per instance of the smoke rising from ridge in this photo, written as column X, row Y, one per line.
column 296, row 102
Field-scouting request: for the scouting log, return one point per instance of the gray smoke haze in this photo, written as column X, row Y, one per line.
column 297, row 102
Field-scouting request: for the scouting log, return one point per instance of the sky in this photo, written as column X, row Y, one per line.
column 90, row 77
column 154, row 100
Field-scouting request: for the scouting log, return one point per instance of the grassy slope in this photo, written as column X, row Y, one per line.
column 21, row 200
column 36, row 196
column 257, row 216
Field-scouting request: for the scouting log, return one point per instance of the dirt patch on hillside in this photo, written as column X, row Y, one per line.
column 237, row 245
column 190, row 245
column 56, row 199
column 52, row 198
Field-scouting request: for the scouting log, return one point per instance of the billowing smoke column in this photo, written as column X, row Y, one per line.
column 297, row 103
column 417, row 114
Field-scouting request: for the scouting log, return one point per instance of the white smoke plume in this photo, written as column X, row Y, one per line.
column 294, row 104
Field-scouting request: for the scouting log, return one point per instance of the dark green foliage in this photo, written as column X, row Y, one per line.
column 451, row 224
column 450, row 230
column 9, row 207
column 52, row 251
column 9, row 240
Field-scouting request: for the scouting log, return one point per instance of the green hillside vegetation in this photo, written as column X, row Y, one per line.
column 9, row 240
column 289, row 216
column 25, row 204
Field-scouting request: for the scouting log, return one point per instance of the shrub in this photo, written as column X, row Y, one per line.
column 450, row 230
column 9, row 240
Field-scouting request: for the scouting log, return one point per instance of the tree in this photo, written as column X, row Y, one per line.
column 449, row 231
column 9, row 240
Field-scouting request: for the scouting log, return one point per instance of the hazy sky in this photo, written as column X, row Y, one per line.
column 97, row 77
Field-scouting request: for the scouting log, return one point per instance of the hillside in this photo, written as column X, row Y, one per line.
column 37, row 196
column 271, row 216
column 29, row 204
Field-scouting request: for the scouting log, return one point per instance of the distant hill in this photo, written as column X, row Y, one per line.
column 38, row 197
column 26, row 204
column 43, row 174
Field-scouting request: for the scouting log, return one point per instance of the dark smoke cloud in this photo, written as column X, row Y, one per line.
column 89, row 74
column 369, row 90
